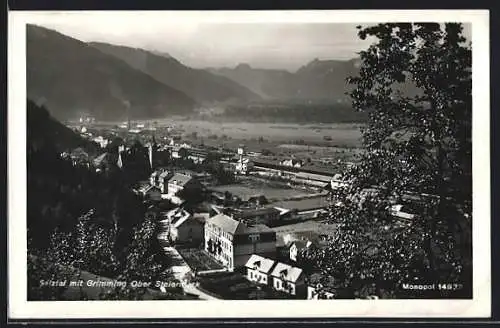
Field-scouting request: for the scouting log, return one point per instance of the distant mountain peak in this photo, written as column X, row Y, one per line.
column 199, row 84
column 243, row 66
column 71, row 74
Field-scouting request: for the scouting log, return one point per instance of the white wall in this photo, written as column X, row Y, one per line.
column 279, row 285
column 312, row 295
column 253, row 275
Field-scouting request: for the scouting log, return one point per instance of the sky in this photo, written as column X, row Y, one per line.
column 202, row 43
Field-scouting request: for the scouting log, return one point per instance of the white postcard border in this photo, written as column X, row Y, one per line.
column 479, row 306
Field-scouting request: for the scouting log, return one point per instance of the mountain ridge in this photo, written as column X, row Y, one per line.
column 199, row 84
column 73, row 78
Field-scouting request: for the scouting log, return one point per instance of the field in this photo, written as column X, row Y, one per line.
column 269, row 192
column 199, row 260
column 316, row 141
column 343, row 134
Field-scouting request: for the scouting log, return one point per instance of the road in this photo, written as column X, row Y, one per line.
column 180, row 270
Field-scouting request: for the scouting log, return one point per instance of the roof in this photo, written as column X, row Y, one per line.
column 240, row 191
column 165, row 174
column 260, row 263
column 318, row 227
column 258, row 228
column 312, row 203
column 300, row 244
column 177, row 216
column 286, row 272
column 142, row 186
column 226, row 223
column 318, row 238
column 180, row 179
column 259, row 211
column 178, row 222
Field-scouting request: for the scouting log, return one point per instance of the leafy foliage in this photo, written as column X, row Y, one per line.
column 418, row 152
column 82, row 221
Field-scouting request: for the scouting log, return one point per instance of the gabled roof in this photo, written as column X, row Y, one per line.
column 260, row 263
column 286, row 272
column 227, row 224
column 181, row 221
column 180, row 179
column 165, row 174
column 177, row 216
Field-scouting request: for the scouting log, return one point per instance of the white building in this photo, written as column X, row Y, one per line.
column 259, row 269
column 288, row 279
column 232, row 243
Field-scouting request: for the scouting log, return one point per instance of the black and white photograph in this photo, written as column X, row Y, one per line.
column 314, row 159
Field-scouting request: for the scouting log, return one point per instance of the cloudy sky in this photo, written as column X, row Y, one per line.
column 203, row 43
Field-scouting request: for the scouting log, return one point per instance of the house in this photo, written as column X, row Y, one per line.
column 152, row 193
column 292, row 162
column 266, row 215
column 147, row 191
column 103, row 142
column 317, row 233
column 186, row 228
column 243, row 165
column 163, row 179
column 154, row 178
column 259, row 269
column 231, row 242
column 296, row 248
column 288, row 279
column 307, row 208
column 320, row 287
column 183, row 182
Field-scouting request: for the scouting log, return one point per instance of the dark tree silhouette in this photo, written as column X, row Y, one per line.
column 417, row 149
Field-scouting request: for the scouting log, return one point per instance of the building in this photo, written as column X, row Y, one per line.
column 301, row 209
column 101, row 141
column 297, row 247
column 243, row 166
column 163, row 180
column 185, row 227
column 183, row 182
column 147, row 191
column 288, row 279
column 265, row 215
column 320, row 287
column 317, row 233
column 231, row 242
column 158, row 177
column 259, row 269
column 292, row 162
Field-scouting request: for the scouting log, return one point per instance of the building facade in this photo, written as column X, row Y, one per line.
column 232, row 243
column 288, row 279
column 259, row 269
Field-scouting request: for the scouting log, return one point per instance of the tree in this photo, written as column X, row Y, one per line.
column 183, row 153
column 417, row 146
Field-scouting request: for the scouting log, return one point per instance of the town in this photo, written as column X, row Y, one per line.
column 240, row 223
column 165, row 176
